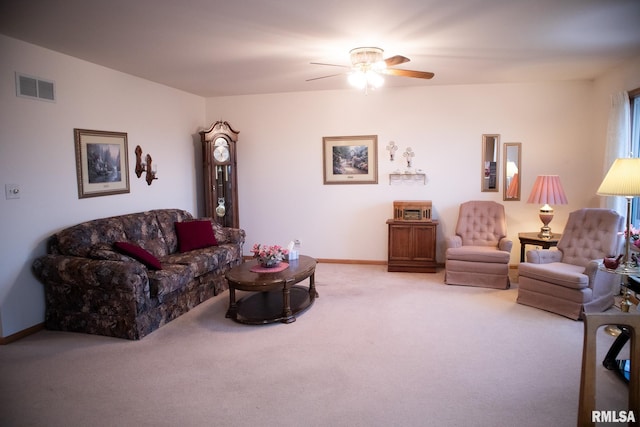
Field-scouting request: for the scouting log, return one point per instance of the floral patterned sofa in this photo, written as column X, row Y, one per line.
column 125, row 276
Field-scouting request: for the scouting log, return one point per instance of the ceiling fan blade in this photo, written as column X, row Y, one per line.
column 330, row 65
column 324, row 77
column 396, row 60
column 408, row 73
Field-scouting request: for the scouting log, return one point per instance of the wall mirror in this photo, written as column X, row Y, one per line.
column 490, row 158
column 512, row 174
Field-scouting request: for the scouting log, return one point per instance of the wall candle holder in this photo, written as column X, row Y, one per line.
column 151, row 171
column 409, row 155
column 392, row 148
column 147, row 166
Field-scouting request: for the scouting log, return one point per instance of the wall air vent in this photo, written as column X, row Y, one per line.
column 34, row 88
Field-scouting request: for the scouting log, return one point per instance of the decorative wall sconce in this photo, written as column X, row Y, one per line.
column 145, row 167
column 139, row 166
column 409, row 155
column 392, row 148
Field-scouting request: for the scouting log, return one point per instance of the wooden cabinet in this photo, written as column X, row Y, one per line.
column 412, row 246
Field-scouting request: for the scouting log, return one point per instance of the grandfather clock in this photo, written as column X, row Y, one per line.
column 220, row 174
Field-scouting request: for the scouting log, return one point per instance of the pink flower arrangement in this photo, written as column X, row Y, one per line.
column 269, row 256
column 635, row 237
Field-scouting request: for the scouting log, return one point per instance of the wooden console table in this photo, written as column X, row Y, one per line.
column 534, row 239
column 412, row 246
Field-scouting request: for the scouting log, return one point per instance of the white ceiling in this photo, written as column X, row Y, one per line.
column 234, row 47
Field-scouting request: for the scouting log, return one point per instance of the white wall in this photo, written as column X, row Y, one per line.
column 281, row 189
column 37, row 152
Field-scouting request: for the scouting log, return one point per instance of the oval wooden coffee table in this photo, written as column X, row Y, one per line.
column 276, row 297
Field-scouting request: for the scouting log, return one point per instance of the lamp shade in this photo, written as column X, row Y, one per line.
column 623, row 179
column 547, row 189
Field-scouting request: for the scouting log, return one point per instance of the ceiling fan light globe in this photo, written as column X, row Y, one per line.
column 379, row 66
column 358, row 79
column 374, row 79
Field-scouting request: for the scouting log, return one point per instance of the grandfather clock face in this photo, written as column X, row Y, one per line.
column 221, row 152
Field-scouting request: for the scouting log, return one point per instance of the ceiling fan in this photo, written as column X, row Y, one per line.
column 368, row 65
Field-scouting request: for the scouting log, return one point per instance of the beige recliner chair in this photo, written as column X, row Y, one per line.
column 567, row 281
column 479, row 253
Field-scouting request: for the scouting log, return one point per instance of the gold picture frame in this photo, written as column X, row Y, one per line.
column 350, row 159
column 102, row 162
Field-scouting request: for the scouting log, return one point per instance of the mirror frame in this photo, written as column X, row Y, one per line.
column 488, row 158
column 511, row 190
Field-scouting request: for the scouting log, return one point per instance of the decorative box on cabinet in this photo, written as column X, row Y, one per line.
column 412, row 246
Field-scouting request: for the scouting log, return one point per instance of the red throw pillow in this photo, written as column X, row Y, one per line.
column 195, row 235
column 136, row 252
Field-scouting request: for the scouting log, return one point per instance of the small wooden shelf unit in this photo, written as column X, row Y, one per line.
column 412, row 237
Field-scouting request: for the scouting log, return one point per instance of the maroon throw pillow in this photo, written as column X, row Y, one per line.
column 195, row 235
column 136, row 252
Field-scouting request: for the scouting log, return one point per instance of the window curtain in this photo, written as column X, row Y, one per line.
column 618, row 140
column 635, row 132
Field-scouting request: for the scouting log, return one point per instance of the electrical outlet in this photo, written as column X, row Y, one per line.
column 12, row 191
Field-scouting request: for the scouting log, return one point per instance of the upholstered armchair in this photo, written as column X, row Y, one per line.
column 567, row 281
column 479, row 253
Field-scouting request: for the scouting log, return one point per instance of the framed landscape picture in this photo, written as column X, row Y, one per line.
column 102, row 163
column 350, row 159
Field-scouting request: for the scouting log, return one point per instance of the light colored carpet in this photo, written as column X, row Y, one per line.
column 376, row 349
